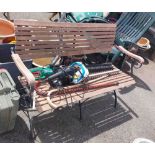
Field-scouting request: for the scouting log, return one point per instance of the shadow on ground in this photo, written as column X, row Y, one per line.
column 20, row 134
column 139, row 83
column 99, row 116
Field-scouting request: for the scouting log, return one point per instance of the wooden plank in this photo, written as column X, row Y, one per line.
column 43, row 108
column 39, row 98
column 56, row 46
column 42, row 102
column 82, row 52
column 59, row 29
column 89, row 37
column 36, row 55
column 72, row 97
column 56, row 50
column 31, row 54
column 67, row 47
column 64, row 42
column 64, row 46
column 60, row 24
column 109, row 89
column 119, row 79
column 23, row 33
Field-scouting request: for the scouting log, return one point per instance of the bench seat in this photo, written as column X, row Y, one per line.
column 123, row 79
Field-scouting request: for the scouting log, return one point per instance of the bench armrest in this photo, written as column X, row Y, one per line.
column 130, row 54
column 24, row 70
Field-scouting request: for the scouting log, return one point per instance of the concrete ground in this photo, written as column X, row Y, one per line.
column 133, row 118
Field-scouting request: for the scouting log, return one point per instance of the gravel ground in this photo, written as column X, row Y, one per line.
column 133, row 118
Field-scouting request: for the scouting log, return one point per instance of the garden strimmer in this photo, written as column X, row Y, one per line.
column 61, row 75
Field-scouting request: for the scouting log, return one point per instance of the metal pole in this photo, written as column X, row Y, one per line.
column 115, row 105
column 80, row 108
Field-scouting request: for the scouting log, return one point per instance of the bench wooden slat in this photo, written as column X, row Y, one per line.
column 65, row 42
column 63, row 24
column 63, row 47
column 43, row 108
column 47, row 33
column 60, row 29
column 50, row 37
column 38, row 55
column 48, row 52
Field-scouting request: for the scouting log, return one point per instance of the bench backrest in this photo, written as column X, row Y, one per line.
column 35, row 39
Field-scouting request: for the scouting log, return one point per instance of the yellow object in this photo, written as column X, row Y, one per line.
column 42, row 61
column 144, row 43
column 75, row 76
column 12, row 42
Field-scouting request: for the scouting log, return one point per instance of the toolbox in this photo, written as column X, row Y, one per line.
column 9, row 102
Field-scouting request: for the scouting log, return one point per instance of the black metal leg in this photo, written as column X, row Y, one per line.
column 115, row 105
column 80, row 108
column 132, row 65
column 32, row 133
column 121, row 62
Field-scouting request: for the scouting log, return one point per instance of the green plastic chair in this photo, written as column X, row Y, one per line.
column 130, row 28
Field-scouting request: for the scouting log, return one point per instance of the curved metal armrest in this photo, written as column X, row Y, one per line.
column 128, row 53
column 24, row 70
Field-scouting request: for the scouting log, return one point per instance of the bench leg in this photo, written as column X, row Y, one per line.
column 132, row 65
column 80, row 109
column 115, row 95
column 32, row 135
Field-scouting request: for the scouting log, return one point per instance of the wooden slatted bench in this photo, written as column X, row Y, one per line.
column 35, row 39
